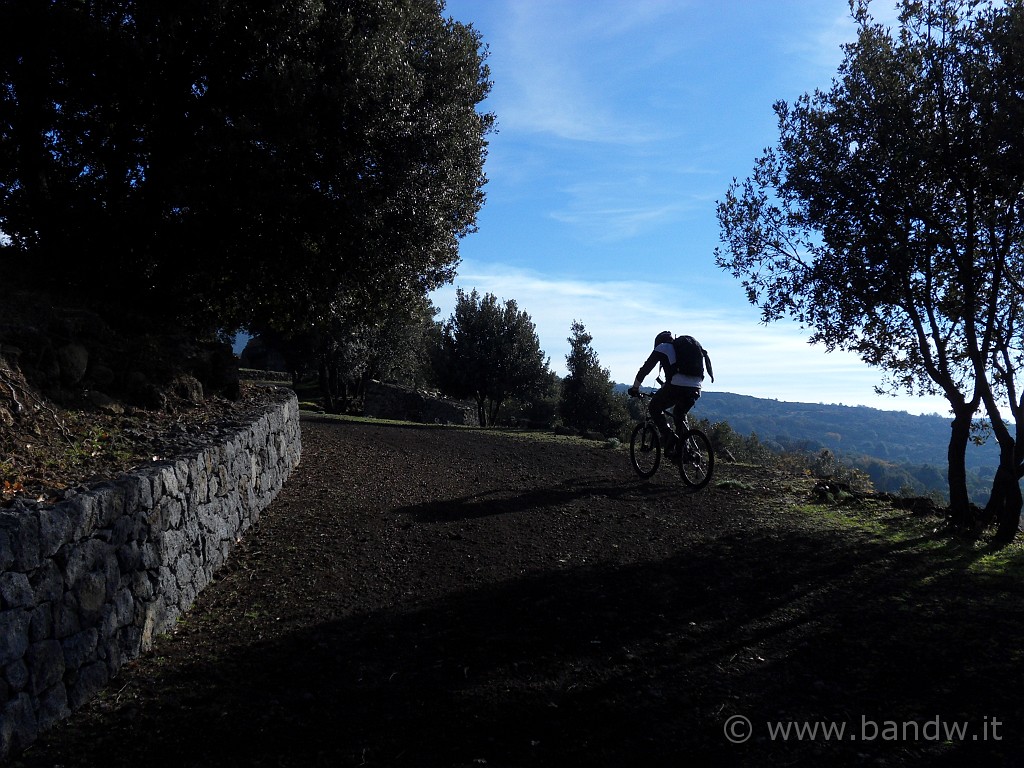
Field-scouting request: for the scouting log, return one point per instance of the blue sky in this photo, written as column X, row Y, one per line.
column 620, row 124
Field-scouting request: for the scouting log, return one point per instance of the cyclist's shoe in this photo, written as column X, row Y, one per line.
column 671, row 445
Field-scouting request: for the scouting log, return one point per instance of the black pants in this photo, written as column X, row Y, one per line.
column 683, row 398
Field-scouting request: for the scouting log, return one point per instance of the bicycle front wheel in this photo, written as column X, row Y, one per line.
column 645, row 449
column 697, row 460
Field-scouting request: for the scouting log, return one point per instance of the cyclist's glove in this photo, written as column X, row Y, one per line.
column 634, row 391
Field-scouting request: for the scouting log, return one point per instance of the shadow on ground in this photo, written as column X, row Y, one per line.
column 612, row 665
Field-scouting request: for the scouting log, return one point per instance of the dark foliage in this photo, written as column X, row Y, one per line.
column 234, row 164
column 589, row 400
column 489, row 351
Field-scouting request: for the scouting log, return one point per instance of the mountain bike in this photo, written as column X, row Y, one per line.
column 696, row 458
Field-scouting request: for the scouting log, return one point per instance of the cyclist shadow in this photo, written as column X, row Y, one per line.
column 497, row 501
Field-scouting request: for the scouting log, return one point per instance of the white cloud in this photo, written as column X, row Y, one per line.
column 823, row 49
column 556, row 76
column 618, row 209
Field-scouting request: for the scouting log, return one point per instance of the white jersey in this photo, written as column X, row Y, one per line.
column 679, row 380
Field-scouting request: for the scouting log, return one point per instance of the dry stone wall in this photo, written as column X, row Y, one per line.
column 87, row 584
column 392, row 401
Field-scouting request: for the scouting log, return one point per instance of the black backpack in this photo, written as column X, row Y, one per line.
column 689, row 356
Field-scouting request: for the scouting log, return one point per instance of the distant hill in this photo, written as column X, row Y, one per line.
column 892, row 437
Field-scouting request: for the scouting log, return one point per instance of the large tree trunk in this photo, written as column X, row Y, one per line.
column 324, row 381
column 1004, row 506
column 961, row 513
column 495, row 407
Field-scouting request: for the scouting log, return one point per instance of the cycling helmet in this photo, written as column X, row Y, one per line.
column 664, row 337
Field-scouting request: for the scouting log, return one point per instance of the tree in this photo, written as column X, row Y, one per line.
column 351, row 349
column 236, row 165
column 490, row 352
column 538, row 408
column 589, row 400
column 885, row 219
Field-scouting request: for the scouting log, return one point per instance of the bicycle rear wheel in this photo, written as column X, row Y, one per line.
column 697, row 460
column 645, row 449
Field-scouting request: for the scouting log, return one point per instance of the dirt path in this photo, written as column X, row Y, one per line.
column 441, row 597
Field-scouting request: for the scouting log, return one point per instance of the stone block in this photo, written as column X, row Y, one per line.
column 47, row 583
column 80, row 649
column 45, row 661
column 53, row 706
column 55, row 529
column 66, row 621
column 89, row 681
column 15, row 590
column 91, row 594
column 138, row 490
column 18, row 724
column 81, row 511
column 124, row 607
column 16, row 674
column 21, row 524
column 73, row 360
column 6, row 551
column 155, row 620
column 110, row 500
column 129, row 557
column 84, row 558
column 14, row 640
column 41, row 622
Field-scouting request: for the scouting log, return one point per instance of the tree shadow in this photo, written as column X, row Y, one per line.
column 499, row 502
column 609, row 665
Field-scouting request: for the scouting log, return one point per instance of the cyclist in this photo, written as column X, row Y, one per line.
column 679, row 390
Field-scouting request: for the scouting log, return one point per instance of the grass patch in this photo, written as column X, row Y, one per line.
column 1007, row 561
column 531, row 435
column 926, row 537
column 873, row 518
column 354, row 419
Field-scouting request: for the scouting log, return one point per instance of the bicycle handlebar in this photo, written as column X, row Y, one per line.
column 642, row 395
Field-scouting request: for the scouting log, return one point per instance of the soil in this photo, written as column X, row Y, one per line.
column 430, row 596
column 48, row 450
